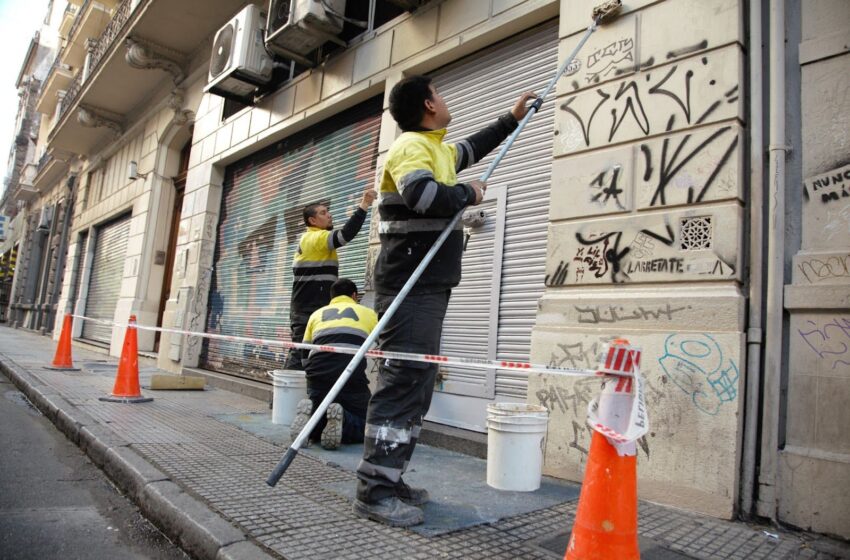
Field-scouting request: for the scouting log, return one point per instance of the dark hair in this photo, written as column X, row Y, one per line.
column 407, row 101
column 311, row 210
column 343, row 287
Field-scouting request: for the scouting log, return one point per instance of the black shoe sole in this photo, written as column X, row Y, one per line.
column 362, row 510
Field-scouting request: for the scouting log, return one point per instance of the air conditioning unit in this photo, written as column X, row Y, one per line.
column 295, row 28
column 239, row 63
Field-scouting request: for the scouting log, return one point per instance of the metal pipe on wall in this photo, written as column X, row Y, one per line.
column 756, row 279
column 768, row 467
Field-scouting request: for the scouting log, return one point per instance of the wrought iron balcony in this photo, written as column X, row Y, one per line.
column 77, row 19
column 113, row 30
column 43, row 160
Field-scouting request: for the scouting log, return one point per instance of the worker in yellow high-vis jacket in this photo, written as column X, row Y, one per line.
column 342, row 323
column 316, row 265
column 419, row 195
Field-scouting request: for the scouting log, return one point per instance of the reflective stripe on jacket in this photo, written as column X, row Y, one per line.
column 419, row 194
column 342, row 322
column 316, row 265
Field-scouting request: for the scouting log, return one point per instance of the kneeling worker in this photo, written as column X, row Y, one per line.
column 343, row 322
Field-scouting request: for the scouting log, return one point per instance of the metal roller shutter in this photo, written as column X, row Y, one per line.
column 107, row 272
column 476, row 89
column 261, row 222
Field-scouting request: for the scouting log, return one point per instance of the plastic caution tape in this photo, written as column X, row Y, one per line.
column 477, row 363
column 619, row 413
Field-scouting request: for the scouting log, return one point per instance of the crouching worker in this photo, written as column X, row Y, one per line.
column 343, row 322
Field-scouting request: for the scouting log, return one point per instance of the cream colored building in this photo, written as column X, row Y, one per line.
column 642, row 202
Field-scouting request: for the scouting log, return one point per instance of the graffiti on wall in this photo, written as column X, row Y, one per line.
column 829, row 339
column 828, row 188
column 604, row 62
column 690, row 92
column 697, row 365
column 615, row 314
column 837, row 223
column 258, row 230
column 679, row 247
column 824, row 269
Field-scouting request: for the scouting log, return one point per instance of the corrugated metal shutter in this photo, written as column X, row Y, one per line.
column 467, row 329
column 476, row 89
column 106, row 275
column 261, row 222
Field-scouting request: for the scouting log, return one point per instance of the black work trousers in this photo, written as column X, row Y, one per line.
column 297, row 325
column 403, row 392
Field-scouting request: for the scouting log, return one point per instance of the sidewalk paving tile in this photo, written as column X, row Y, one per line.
column 191, row 437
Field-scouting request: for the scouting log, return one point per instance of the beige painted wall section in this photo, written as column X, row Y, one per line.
column 645, row 241
column 106, row 192
column 196, row 237
column 814, row 466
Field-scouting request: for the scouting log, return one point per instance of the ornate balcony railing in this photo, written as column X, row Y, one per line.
column 42, row 161
column 70, row 94
column 104, row 42
column 53, row 67
column 113, row 29
column 78, row 19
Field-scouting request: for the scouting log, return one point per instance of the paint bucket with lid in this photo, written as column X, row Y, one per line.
column 516, row 438
column 290, row 386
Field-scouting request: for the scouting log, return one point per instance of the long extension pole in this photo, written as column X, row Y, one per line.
column 599, row 14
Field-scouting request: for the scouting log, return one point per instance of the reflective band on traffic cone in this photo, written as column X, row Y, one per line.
column 127, row 381
column 62, row 360
column 605, row 527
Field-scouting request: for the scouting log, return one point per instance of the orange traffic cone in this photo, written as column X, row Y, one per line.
column 606, row 519
column 62, row 359
column 126, row 387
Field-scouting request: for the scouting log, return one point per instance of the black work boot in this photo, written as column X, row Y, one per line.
column 332, row 434
column 303, row 412
column 390, row 511
column 410, row 495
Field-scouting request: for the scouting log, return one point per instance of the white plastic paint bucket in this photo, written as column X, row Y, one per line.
column 290, row 386
column 516, row 436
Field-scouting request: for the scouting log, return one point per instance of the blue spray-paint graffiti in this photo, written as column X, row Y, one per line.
column 696, row 364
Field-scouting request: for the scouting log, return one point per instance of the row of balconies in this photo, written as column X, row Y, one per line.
column 84, row 30
column 96, row 82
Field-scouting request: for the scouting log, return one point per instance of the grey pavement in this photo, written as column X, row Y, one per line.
column 196, row 464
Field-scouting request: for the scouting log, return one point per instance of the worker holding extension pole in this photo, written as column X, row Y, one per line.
column 419, row 195
column 417, row 191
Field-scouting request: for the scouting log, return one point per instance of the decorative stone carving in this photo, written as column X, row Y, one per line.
column 95, row 119
column 175, row 103
column 144, row 58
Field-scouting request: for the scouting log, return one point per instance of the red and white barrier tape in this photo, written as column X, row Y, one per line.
column 624, row 403
column 477, row 363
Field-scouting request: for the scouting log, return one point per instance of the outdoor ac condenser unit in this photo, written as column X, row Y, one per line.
column 239, row 62
column 295, row 28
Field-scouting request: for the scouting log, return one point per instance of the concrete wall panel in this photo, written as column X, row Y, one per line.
column 690, row 167
column 823, row 268
column 694, row 387
column 826, row 209
column 698, row 90
column 686, row 245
